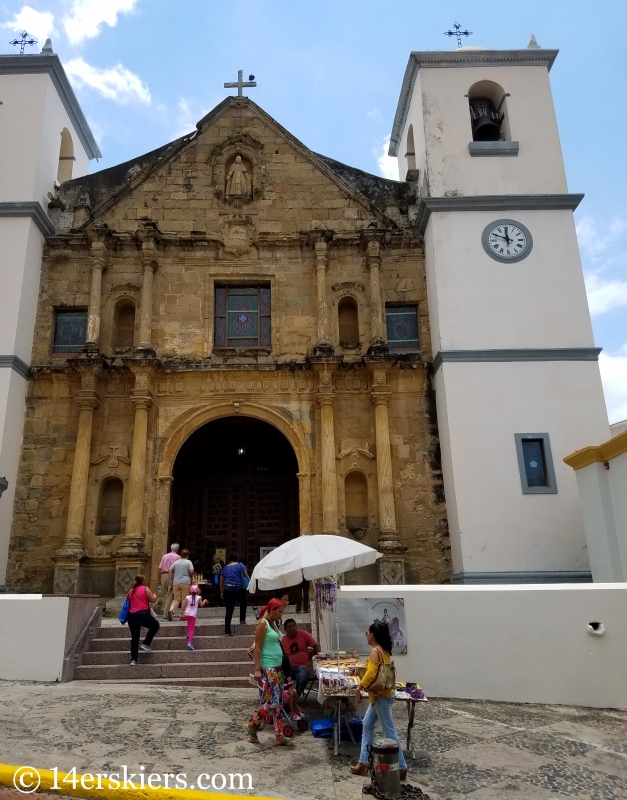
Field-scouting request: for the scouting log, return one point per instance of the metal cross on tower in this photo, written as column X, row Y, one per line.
column 23, row 41
column 240, row 83
column 458, row 32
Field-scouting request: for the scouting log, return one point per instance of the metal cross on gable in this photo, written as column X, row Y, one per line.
column 23, row 41
column 241, row 83
column 458, row 32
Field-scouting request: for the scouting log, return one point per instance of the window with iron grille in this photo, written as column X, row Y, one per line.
column 242, row 316
column 69, row 331
column 402, row 327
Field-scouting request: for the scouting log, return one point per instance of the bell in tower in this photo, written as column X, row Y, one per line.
column 485, row 119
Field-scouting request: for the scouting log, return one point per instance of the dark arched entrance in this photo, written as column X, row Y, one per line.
column 235, row 488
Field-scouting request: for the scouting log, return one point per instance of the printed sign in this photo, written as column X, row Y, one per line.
column 356, row 615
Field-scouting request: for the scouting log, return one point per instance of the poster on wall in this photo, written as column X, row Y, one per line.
column 264, row 551
column 357, row 614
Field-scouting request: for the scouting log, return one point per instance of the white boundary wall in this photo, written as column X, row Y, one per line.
column 515, row 643
column 32, row 637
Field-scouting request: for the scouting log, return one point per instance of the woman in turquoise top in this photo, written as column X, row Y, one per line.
column 268, row 673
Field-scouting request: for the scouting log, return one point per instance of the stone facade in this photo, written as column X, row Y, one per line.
column 157, row 236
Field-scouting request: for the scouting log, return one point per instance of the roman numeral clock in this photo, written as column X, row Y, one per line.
column 506, row 240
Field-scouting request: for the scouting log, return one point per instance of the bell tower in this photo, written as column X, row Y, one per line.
column 517, row 381
column 44, row 137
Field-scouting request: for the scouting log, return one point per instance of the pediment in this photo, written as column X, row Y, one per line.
column 238, row 164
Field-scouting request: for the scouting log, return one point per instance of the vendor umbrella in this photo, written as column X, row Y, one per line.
column 308, row 558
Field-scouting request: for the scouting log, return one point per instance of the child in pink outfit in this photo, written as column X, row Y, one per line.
column 192, row 603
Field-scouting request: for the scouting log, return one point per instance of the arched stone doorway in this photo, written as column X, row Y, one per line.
column 235, row 488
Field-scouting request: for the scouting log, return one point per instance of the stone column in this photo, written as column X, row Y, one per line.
column 327, row 445
column 148, row 260
column 69, row 557
column 373, row 262
column 98, row 264
column 304, row 502
column 131, row 555
column 392, row 565
column 323, row 345
column 161, row 527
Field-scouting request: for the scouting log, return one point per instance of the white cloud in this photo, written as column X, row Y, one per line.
column 614, row 375
column 40, row 24
column 388, row 165
column 87, row 17
column 605, row 294
column 595, row 242
column 115, row 83
column 188, row 114
column 374, row 113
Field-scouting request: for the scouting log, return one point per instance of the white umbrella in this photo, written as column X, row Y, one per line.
column 307, row 558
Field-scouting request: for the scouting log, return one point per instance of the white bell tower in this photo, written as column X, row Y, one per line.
column 517, row 381
column 44, row 137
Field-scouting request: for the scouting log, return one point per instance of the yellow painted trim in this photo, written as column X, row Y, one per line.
column 108, row 791
column 602, row 452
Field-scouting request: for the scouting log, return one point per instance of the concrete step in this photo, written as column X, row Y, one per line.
column 181, row 656
column 171, row 643
column 145, row 669
column 222, row 683
column 179, row 629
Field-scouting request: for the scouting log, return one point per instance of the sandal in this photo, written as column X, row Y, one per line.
column 360, row 769
column 252, row 732
column 284, row 743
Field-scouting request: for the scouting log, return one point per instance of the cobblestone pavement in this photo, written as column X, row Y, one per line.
column 479, row 751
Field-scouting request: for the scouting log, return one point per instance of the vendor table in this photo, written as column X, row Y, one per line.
column 401, row 697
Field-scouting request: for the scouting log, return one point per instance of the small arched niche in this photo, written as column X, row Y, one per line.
column 348, row 322
column 356, row 503
column 110, row 514
column 410, row 155
column 66, row 157
column 488, row 112
column 124, row 325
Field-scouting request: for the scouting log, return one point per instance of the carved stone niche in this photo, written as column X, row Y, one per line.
column 238, row 170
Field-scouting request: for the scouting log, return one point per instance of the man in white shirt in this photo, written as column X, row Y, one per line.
column 164, row 569
column 181, row 573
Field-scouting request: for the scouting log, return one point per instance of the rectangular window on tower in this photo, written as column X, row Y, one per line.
column 402, row 327
column 242, row 316
column 535, row 463
column 69, row 331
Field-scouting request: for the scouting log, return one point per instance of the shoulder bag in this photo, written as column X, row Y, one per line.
column 385, row 680
column 126, row 607
column 245, row 580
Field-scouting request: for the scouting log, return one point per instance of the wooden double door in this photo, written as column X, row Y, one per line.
column 241, row 513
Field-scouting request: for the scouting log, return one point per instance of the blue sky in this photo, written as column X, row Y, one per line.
column 330, row 71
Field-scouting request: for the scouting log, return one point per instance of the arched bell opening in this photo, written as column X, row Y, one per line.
column 66, row 157
column 348, row 322
column 488, row 112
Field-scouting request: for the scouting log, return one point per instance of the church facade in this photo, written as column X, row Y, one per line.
column 236, row 341
column 232, row 348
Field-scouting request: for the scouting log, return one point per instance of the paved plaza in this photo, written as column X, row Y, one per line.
column 482, row 751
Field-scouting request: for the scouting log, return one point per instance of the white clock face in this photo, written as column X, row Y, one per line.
column 507, row 240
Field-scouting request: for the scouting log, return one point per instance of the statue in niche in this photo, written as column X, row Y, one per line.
column 238, row 182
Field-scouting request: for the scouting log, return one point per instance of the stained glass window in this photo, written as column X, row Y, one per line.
column 69, row 331
column 242, row 316
column 402, row 327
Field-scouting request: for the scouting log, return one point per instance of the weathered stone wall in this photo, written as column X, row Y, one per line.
column 200, row 238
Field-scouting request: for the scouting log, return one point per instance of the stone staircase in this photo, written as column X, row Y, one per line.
column 217, row 660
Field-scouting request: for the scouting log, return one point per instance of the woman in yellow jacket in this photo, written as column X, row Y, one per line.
column 379, row 639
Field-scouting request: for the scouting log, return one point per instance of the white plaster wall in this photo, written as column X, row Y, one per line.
column 604, row 508
column 30, row 137
column 20, row 267
column 476, row 302
column 32, row 637
column 494, row 526
column 538, row 168
column 12, row 398
column 521, row 644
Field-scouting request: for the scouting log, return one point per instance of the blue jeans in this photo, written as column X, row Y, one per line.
column 381, row 710
column 301, row 676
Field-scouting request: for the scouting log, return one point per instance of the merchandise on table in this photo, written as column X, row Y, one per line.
column 409, row 691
